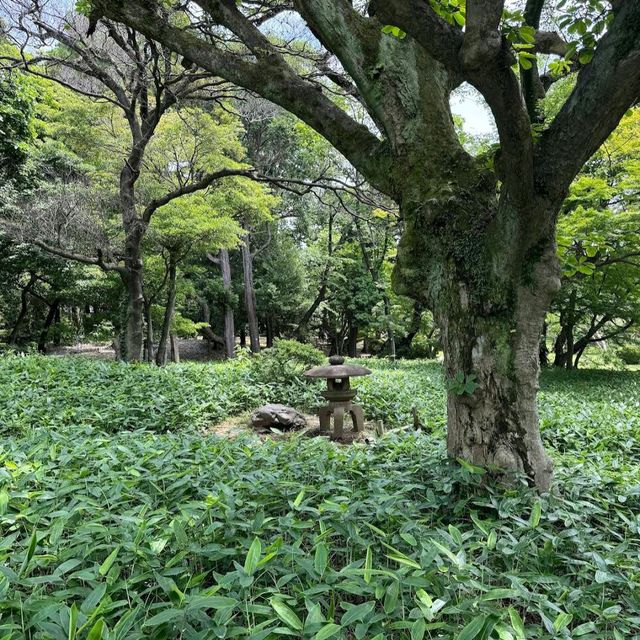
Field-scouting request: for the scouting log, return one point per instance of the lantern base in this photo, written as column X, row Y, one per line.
column 338, row 410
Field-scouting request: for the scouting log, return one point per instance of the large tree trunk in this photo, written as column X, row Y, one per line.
column 496, row 423
column 250, row 296
column 169, row 311
column 229, row 320
column 490, row 307
column 44, row 334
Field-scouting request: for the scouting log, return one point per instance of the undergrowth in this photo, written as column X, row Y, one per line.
column 118, row 519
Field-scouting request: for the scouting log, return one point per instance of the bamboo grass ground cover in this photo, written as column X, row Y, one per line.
column 119, row 520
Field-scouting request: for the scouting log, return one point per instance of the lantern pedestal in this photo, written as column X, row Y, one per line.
column 340, row 396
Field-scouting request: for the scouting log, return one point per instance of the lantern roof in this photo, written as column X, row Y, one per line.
column 337, row 369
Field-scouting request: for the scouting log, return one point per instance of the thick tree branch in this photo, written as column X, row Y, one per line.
column 417, row 18
column 482, row 40
column 193, row 187
column 76, row 257
column 486, row 63
column 277, row 83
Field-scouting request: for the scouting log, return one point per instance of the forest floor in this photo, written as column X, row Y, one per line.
column 240, row 425
column 192, row 350
column 124, row 514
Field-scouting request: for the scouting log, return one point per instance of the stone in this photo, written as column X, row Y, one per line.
column 277, row 416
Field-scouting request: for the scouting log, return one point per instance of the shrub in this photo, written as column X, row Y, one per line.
column 629, row 354
column 285, row 361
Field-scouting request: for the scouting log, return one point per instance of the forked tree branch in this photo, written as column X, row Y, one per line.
column 278, row 83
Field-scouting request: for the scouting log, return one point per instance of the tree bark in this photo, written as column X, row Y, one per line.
column 42, row 340
column 149, row 354
column 391, row 338
column 269, row 327
column 24, row 309
column 135, row 229
column 497, row 424
column 490, row 306
column 229, row 320
column 352, row 340
column 175, row 349
column 169, row 311
column 544, row 350
column 250, row 295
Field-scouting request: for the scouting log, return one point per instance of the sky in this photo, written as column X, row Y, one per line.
column 478, row 120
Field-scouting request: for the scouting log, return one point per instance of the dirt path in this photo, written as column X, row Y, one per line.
column 239, row 425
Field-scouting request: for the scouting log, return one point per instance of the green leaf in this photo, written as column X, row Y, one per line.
column 321, row 558
column 253, row 557
column 562, row 621
column 286, row 614
column 357, row 613
column 473, row 629
column 167, row 615
column 328, row 631
column 73, row 621
column 418, row 629
column 4, row 502
column 368, row 565
column 108, row 563
column 536, row 512
column 517, row 624
column 96, row 631
column 30, row 551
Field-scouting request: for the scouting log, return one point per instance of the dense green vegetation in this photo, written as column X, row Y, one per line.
column 120, row 518
column 212, row 197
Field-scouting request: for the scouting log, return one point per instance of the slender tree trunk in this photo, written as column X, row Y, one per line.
column 42, row 340
column 133, row 330
column 150, row 337
column 391, row 338
column 250, row 295
column 564, row 346
column 270, row 330
column 243, row 337
column 559, row 352
column 352, row 340
column 229, row 320
column 56, row 333
column 169, row 310
column 135, row 230
column 544, row 350
column 404, row 344
column 175, row 349
column 303, row 326
column 24, row 309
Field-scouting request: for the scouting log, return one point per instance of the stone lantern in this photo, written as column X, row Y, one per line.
column 339, row 394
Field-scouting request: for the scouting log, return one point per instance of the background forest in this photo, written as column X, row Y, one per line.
column 303, row 250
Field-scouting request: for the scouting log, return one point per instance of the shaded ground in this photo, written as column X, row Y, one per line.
column 192, row 350
column 235, row 426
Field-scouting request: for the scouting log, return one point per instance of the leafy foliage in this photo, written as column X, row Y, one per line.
column 138, row 535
